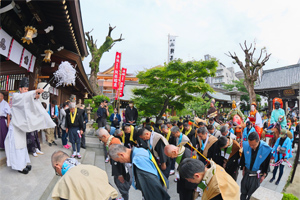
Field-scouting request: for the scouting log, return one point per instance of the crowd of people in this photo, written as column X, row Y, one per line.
column 204, row 156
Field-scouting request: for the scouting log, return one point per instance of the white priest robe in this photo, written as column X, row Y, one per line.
column 28, row 115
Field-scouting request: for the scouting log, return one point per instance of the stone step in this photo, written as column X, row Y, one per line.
column 92, row 142
column 89, row 158
column 38, row 183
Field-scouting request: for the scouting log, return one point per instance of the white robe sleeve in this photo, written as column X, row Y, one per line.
column 258, row 121
column 28, row 115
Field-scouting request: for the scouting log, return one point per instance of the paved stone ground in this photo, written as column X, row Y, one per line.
column 39, row 182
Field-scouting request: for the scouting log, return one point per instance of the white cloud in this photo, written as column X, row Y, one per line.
column 202, row 27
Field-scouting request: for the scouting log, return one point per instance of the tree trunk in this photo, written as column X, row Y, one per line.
column 163, row 110
column 94, row 83
column 252, row 95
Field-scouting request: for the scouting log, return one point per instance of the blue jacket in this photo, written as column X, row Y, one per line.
column 55, row 110
column 263, row 152
column 275, row 116
column 286, row 144
column 111, row 118
column 245, row 134
column 141, row 159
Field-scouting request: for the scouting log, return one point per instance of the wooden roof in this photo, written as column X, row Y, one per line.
column 63, row 15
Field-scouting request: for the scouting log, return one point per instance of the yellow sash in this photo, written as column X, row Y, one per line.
column 181, row 129
column 156, row 166
column 123, row 137
column 73, row 116
column 152, row 128
column 168, row 135
column 131, row 133
column 187, row 132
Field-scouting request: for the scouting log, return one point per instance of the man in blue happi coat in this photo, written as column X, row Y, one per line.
column 254, row 162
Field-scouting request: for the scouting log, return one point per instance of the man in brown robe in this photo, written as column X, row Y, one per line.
column 214, row 181
column 78, row 180
column 213, row 112
column 205, row 143
column 227, row 153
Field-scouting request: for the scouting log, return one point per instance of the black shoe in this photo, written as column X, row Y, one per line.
column 272, row 179
column 277, row 182
column 24, row 171
column 28, row 167
column 49, row 144
column 54, row 143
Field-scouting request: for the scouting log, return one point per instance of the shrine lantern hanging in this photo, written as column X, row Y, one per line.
column 47, row 57
column 30, row 32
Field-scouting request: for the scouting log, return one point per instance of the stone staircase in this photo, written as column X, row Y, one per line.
column 40, row 181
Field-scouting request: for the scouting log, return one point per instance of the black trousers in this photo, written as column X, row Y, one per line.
column 101, row 122
column 280, row 172
column 83, row 140
column 248, row 185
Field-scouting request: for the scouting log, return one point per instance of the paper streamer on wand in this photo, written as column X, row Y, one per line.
column 65, row 75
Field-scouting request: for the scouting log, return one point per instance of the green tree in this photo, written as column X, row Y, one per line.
column 200, row 106
column 172, row 85
column 239, row 84
column 97, row 53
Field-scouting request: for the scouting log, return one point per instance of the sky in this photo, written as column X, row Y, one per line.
column 202, row 27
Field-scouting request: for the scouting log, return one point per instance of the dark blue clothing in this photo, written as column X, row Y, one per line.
column 115, row 123
column 64, row 136
column 101, row 112
column 74, row 138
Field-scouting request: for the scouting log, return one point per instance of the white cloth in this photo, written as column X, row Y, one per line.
column 5, row 41
column 17, row 159
column 28, row 114
column 4, row 108
column 258, row 119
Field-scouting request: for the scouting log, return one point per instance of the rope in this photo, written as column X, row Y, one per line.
column 198, row 152
column 279, row 162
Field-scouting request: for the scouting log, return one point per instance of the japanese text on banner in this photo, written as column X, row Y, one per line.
column 115, row 83
column 122, row 83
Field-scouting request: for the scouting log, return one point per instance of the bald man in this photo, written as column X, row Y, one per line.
column 119, row 171
column 185, row 189
column 76, row 177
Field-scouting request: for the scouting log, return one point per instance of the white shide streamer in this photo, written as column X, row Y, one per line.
column 65, row 75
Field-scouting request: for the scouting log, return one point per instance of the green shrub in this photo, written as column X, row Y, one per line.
column 287, row 196
column 174, row 118
column 95, row 126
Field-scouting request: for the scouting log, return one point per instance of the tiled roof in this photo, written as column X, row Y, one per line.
column 219, row 96
column 282, row 77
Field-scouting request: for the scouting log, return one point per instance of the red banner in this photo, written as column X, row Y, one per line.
column 117, row 92
column 122, row 83
column 115, row 83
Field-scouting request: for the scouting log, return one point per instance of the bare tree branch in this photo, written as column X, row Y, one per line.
column 120, row 39
column 110, row 30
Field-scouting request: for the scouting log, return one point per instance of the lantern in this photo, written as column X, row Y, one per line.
column 30, row 32
column 86, row 95
column 47, row 57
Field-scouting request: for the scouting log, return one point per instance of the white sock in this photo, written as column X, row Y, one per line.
column 74, row 153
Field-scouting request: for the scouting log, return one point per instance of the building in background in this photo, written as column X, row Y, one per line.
column 29, row 31
column 105, row 82
column 224, row 75
column 279, row 83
